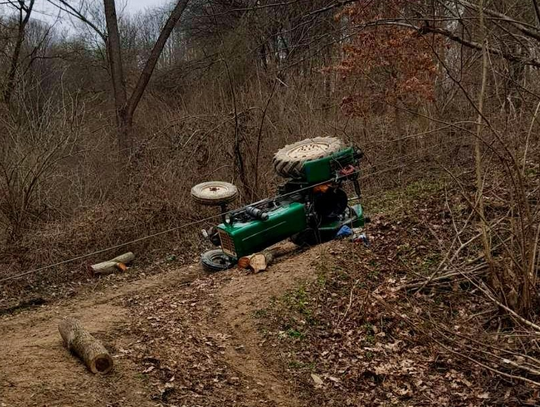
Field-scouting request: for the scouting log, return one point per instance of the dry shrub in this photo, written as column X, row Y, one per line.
column 93, row 203
column 102, row 226
column 31, row 152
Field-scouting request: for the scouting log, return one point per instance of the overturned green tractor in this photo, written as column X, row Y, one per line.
column 310, row 208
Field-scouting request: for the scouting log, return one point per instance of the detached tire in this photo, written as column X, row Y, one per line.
column 215, row 260
column 214, row 193
column 289, row 161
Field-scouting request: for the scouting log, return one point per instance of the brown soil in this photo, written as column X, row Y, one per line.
column 178, row 338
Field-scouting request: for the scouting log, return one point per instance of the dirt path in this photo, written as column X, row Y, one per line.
column 35, row 370
column 239, row 299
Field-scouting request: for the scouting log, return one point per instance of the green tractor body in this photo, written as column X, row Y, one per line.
column 311, row 207
column 244, row 238
column 324, row 169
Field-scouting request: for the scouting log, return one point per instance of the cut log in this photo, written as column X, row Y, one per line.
column 243, row 262
column 260, row 261
column 125, row 258
column 113, row 265
column 107, row 267
column 79, row 341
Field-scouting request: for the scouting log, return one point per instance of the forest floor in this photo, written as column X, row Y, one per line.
column 182, row 336
column 327, row 326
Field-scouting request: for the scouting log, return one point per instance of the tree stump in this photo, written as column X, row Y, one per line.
column 79, row 341
column 260, row 261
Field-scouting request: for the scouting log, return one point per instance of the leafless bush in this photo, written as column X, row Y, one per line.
column 32, row 147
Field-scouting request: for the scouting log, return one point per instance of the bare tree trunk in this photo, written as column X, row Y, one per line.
column 513, row 99
column 152, row 61
column 125, row 108
column 495, row 278
column 24, row 16
column 114, row 54
column 400, row 132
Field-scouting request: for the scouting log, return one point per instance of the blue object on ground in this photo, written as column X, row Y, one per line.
column 344, row 232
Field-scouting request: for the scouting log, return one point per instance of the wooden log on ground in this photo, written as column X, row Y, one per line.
column 79, row 341
column 125, row 258
column 106, row 267
column 112, row 266
column 260, row 261
column 243, row 262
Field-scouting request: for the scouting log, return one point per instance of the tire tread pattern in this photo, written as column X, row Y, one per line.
column 290, row 167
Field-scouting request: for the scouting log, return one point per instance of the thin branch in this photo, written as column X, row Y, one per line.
column 456, row 38
column 72, row 11
column 536, row 9
column 519, row 25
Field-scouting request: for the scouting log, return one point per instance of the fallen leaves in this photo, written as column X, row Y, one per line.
column 317, row 379
column 375, row 343
column 180, row 353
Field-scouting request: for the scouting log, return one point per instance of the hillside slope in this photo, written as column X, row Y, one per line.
column 335, row 325
column 181, row 335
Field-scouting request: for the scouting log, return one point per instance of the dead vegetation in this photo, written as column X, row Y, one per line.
column 339, row 324
column 401, row 324
column 443, row 98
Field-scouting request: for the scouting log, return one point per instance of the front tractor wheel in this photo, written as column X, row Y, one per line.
column 216, row 260
column 214, row 193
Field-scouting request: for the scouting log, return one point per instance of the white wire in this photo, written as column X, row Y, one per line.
column 84, row 256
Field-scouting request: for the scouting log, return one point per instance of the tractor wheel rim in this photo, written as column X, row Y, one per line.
column 214, row 190
column 220, row 259
column 308, row 150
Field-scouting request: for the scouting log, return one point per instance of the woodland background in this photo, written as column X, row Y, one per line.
column 103, row 132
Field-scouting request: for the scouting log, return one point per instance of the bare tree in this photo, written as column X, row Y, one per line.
column 126, row 106
column 24, row 11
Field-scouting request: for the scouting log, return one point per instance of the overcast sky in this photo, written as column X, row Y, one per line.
column 131, row 5
column 136, row 5
column 44, row 11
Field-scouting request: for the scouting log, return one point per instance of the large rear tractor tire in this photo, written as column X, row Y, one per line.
column 289, row 161
column 214, row 193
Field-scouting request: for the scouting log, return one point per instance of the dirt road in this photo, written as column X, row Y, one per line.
column 178, row 338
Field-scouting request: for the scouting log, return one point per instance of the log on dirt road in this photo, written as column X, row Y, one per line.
column 117, row 264
column 79, row 341
column 260, row 261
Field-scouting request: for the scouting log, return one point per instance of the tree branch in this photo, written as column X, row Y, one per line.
column 520, row 26
column 536, row 9
column 72, row 11
column 456, row 38
column 150, row 65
